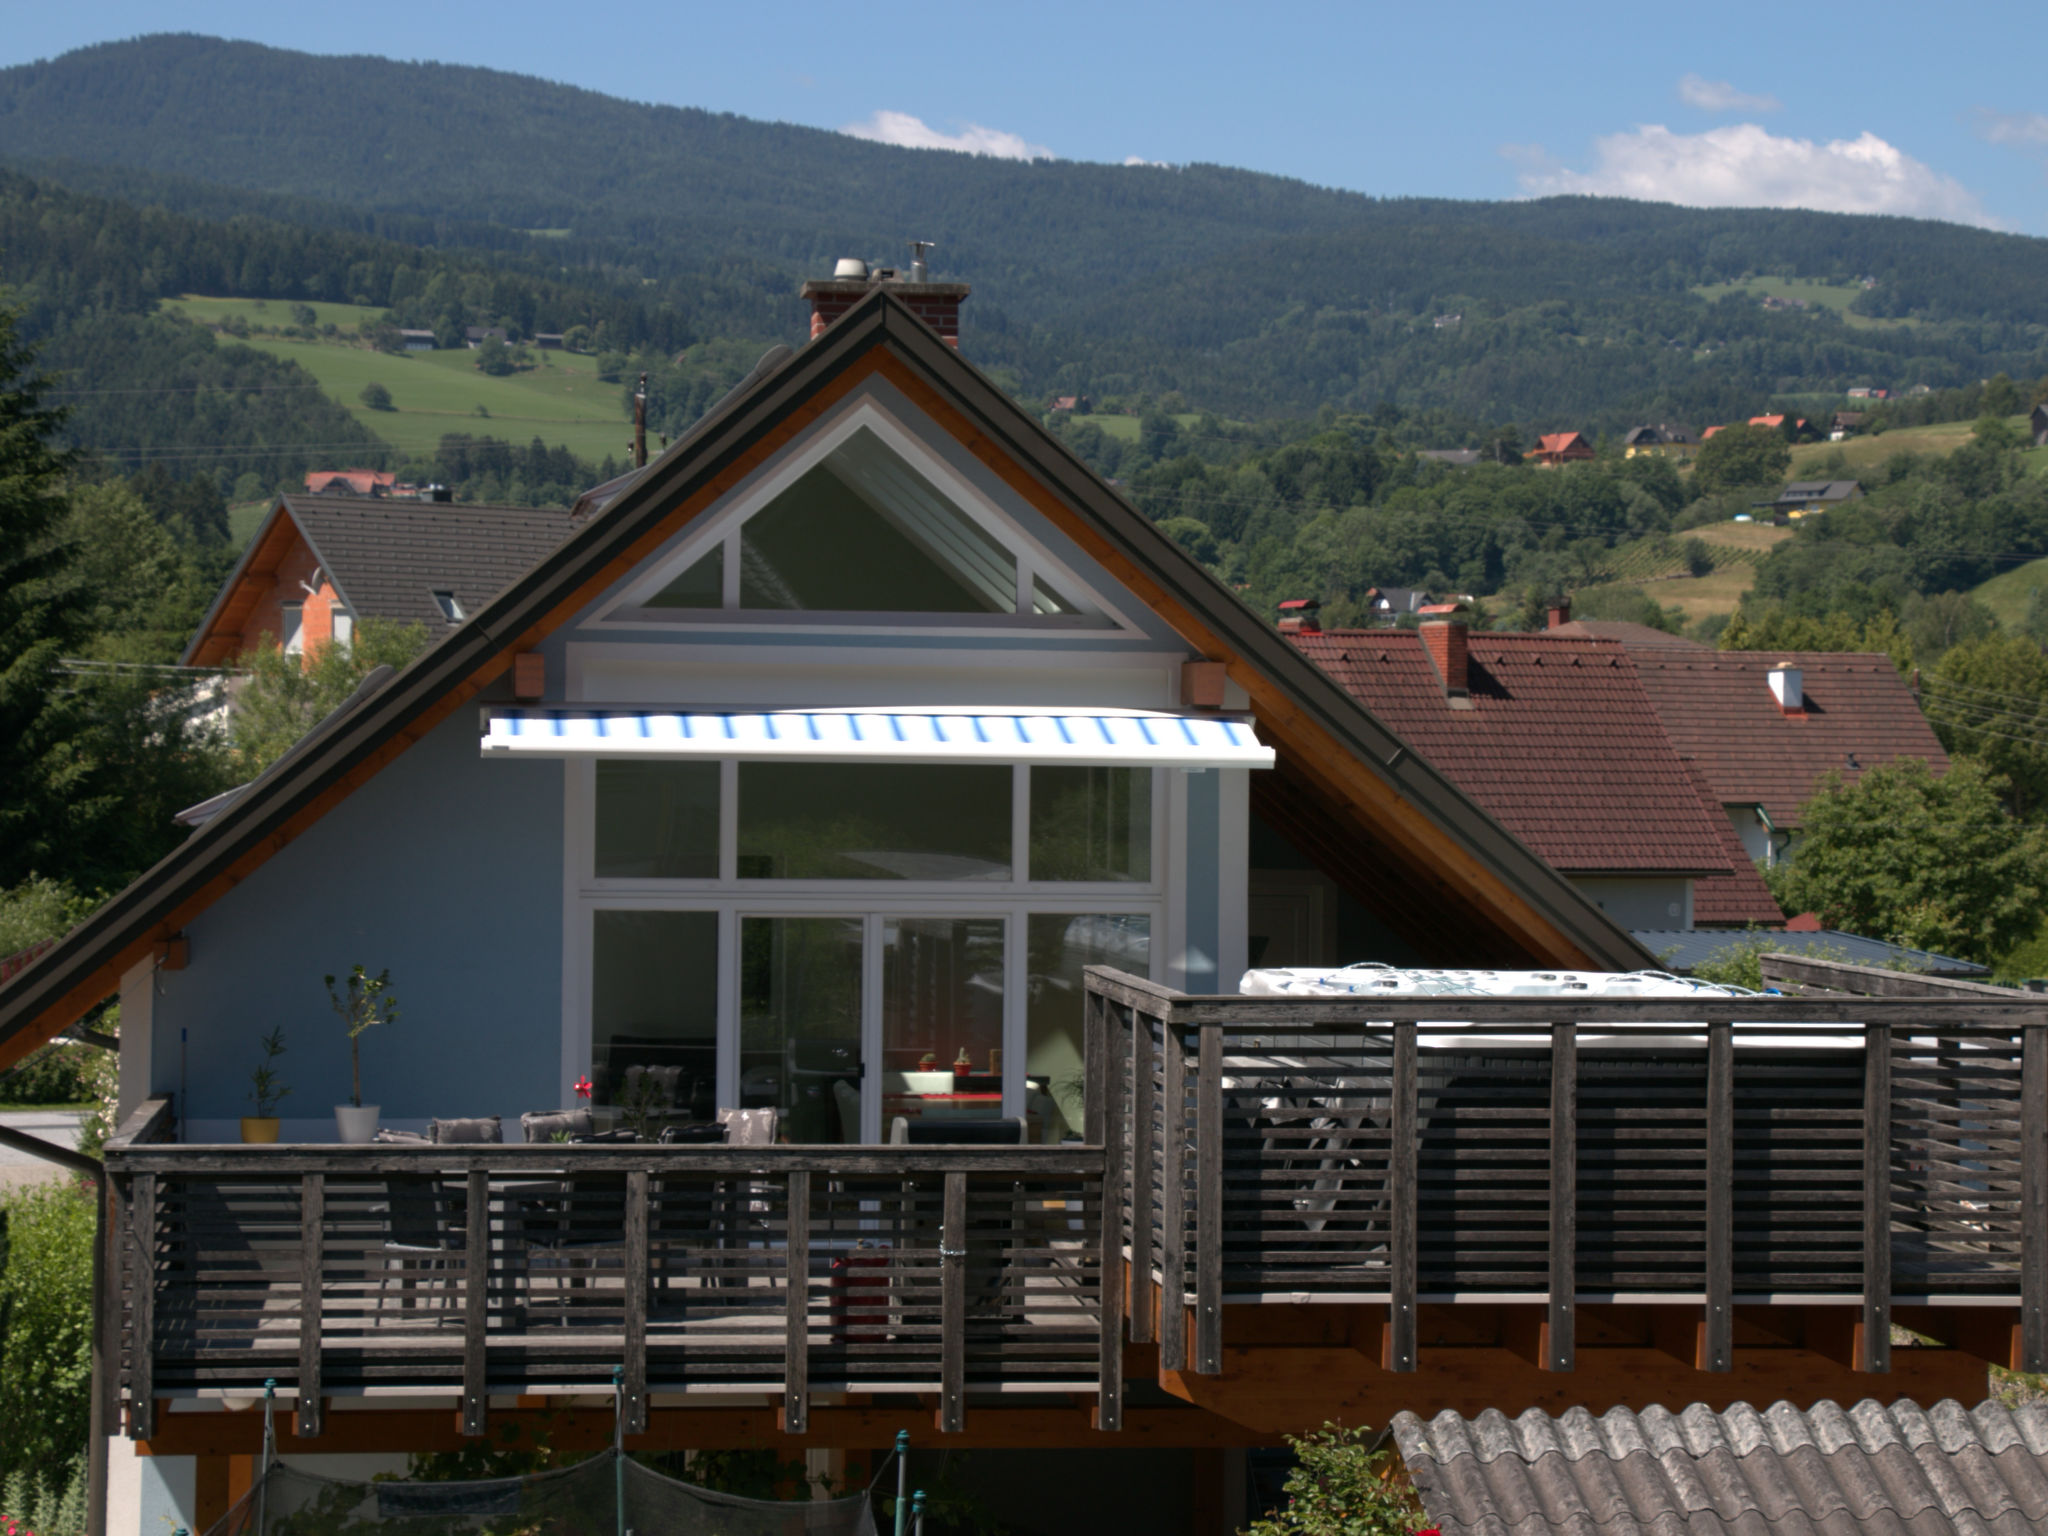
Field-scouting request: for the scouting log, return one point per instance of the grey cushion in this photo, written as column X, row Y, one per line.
column 456, row 1132
column 403, row 1138
column 541, row 1125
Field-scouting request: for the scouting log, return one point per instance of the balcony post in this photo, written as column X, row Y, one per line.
column 476, row 1305
column 1401, row 1196
column 1173, row 1205
column 1109, row 1208
column 796, row 1366
column 312, row 1239
column 1560, row 1350
column 1875, row 1353
column 634, row 1419
column 2033, row 1197
column 142, row 1346
column 1209, row 1203
column 1717, row 1344
column 953, row 1307
column 1143, row 1170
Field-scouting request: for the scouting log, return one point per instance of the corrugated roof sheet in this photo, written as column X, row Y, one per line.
column 1684, row 948
column 1828, row 1471
column 1560, row 744
column 1718, row 708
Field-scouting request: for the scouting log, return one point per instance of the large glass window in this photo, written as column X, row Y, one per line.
column 942, row 1019
column 1091, row 824
column 657, row 820
column 701, row 586
column 654, row 1013
column 800, row 1012
column 873, row 821
column 1059, row 945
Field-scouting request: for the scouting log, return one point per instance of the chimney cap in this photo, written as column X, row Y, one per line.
column 1300, row 604
column 1441, row 612
column 851, row 267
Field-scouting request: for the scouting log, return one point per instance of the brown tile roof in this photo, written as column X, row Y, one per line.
column 1825, row 1472
column 1560, row 745
column 1634, row 636
column 1739, row 899
column 1718, row 709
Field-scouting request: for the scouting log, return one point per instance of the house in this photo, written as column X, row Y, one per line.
column 1078, row 405
column 1664, row 440
column 1386, row 604
column 807, row 774
column 319, row 565
column 417, row 340
column 1791, row 426
column 1448, row 322
column 1846, row 424
column 548, row 341
column 2037, row 423
column 1766, row 727
column 1809, row 498
column 1556, row 739
column 477, row 335
column 349, row 482
column 1554, row 448
column 1866, row 393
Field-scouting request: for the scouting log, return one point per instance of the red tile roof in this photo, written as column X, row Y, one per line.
column 1631, row 634
column 1739, row 899
column 1560, row 745
column 1718, row 709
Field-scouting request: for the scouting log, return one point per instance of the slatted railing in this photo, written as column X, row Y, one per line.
column 1712, row 1151
column 480, row 1270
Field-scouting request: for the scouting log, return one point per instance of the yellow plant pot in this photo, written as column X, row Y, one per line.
column 260, row 1127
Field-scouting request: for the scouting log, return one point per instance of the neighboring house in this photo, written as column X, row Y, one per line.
column 1664, row 440
column 1460, row 458
column 1809, row 498
column 1388, row 603
column 1556, row 739
column 1846, row 424
column 1625, row 632
column 822, row 756
column 1446, row 322
column 1786, row 424
column 2038, row 425
column 318, row 565
column 417, row 341
column 349, row 482
column 548, row 341
column 477, row 335
column 1079, row 405
column 1765, row 727
column 1867, row 393
column 1885, row 1464
column 1554, row 448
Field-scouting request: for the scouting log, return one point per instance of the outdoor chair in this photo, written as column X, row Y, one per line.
column 425, row 1246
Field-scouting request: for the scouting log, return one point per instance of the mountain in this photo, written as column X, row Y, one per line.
column 1250, row 295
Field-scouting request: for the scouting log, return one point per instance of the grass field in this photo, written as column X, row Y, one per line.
column 2009, row 593
column 1816, row 294
column 1755, row 539
column 273, row 312
column 562, row 401
column 1125, row 428
column 1865, row 453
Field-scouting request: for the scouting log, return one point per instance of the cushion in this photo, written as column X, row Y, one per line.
column 402, row 1138
column 542, row 1124
column 602, row 1138
column 456, row 1132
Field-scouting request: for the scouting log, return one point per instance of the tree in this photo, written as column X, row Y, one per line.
column 1989, row 698
column 377, row 397
column 1935, row 863
column 1342, row 1487
column 494, row 357
column 285, row 698
column 1740, row 456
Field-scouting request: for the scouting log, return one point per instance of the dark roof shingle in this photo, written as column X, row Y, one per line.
column 1561, row 745
column 1828, row 1471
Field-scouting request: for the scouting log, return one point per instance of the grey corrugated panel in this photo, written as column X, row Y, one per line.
column 1681, row 949
column 1946, row 1471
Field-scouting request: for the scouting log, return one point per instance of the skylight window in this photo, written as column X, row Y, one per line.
column 451, row 609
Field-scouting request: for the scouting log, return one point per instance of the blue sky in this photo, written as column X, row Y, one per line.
column 1874, row 109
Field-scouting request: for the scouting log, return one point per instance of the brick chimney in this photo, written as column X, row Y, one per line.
column 1443, row 639
column 936, row 304
column 1560, row 613
column 1298, row 616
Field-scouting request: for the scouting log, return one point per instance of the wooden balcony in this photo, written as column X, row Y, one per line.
column 490, row 1270
column 1709, row 1153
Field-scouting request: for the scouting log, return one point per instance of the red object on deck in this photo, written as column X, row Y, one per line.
column 860, row 1298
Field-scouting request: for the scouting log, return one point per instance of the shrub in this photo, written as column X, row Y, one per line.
column 1341, row 1487
column 377, row 397
column 46, row 1328
column 56, row 1074
column 48, row 1505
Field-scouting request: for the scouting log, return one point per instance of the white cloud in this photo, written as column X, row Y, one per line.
column 1720, row 96
column 1141, row 160
column 2028, row 130
column 900, row 128
column 1742, row 166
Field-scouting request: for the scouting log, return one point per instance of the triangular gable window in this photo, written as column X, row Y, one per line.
column 862, row 531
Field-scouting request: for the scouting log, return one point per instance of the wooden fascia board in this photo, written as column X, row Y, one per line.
column 235, row 597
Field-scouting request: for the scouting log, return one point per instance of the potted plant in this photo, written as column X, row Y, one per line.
column 266, row 1090
column 363, row 1001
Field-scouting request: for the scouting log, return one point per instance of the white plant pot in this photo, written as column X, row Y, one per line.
column 356, row 1125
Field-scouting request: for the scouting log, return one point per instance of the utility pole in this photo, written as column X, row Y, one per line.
column 640, row 424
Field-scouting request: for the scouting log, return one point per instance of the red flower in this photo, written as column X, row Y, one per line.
column 582, row 1087
column 1429, row 1530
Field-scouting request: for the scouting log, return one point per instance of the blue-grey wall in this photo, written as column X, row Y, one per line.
column 1204, row 876
column 445, row 868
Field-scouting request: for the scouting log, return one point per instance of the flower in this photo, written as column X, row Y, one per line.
column 582, row 1087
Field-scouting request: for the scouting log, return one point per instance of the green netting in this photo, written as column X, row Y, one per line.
column 578, row 1501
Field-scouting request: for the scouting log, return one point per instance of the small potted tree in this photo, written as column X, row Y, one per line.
column 363, row 1001
column 266, row 1090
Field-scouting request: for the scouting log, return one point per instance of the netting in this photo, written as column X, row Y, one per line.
column 582, row 1500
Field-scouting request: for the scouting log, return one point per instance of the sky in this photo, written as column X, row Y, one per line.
column 1875, row 109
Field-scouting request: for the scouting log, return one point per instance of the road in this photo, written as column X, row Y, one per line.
column 59, row 1126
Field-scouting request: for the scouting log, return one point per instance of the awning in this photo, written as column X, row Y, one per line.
column 1082, row 738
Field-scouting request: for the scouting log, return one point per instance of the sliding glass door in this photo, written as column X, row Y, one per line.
column 801, row 1008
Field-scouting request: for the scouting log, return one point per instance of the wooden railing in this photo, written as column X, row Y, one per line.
column 1708, row 1150
column 474, row 1270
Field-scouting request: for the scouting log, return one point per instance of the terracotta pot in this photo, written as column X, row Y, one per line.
column 260, row 1128
column 355, row 1124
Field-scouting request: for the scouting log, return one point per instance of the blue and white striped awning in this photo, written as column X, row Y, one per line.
column 1090, row 738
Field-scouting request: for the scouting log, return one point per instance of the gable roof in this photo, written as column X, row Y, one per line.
column 385, row 558
column 1560, row 743
column 1460, row 867
column 1626, row 632
column 1718, row 709
column 1828, row 1471
column 1820, row 490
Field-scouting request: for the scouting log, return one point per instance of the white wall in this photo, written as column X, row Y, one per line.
column 1641, row 902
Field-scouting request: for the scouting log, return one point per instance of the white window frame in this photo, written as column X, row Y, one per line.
column 292, row 620
column 732, row 899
